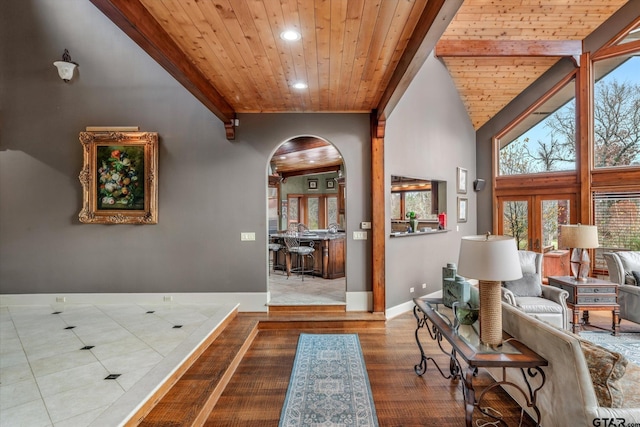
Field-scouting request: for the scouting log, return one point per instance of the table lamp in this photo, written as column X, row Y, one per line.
column 580, row 238
column 490, row 260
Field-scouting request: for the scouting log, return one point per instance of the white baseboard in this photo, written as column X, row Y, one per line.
column 408, row 306
column 399, row 309
column 249, row 301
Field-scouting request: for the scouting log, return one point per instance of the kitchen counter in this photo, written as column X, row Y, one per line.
column 328, row 257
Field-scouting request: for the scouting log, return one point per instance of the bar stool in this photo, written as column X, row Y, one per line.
column 292, row 242
column 274, row 248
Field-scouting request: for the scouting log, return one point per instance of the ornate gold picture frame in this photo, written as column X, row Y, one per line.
column 119, row 178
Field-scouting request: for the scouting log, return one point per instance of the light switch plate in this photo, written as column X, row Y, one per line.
column 359, row 235
column 365, row 225
column 247, row 237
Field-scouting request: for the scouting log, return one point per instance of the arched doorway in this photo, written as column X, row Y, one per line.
column 306, row 185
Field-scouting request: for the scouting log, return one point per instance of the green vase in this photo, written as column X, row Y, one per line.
column 414, row 224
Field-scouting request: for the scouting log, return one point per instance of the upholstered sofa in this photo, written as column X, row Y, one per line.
column 622, row 266
column 546, row 303
column 569, row 396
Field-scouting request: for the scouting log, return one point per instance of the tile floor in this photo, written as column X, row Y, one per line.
column 54, row 360
column 313, row 290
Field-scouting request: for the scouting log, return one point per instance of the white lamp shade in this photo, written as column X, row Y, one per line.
column 489, row 258
column 579, row 236
column 65, row 69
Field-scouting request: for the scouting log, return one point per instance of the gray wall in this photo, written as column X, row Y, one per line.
column 428, row 135
column 617, row 22
column 196, row 245
column 210, row 189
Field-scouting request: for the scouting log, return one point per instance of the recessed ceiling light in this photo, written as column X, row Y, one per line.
column 290, row 35
column 283, row 157
column 300, row 85
column 312, row 161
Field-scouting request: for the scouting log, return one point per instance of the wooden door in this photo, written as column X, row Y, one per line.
column 534, row 221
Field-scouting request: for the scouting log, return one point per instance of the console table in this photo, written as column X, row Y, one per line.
column 594, row 294
column 431, row 314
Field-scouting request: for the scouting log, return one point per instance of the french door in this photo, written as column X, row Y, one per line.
column 534, row 221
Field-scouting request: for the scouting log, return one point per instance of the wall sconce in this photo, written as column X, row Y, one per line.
column 65, row 67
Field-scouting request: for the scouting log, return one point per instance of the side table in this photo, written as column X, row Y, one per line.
column 465, row 348
column 594, row 294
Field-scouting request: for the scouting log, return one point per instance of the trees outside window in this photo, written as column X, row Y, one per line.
column 544, row 140
column 616, row 118
column 617, row 215
column 419, row 202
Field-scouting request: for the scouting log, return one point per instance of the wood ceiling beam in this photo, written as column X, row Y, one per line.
column 136, row 21
column 312, row 171
column 434, row 20
column 302, row 143
column 480, row 48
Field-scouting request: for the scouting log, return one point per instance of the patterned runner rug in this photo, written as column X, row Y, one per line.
column 627, row 344
column 329, row 386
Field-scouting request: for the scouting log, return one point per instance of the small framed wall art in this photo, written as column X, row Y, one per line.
column 312, row 184
column 330, row 183
column 462, row 181
column 463, row 209
column 119, row 178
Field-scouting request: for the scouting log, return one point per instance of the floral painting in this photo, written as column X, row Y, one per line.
column 120, row 169
column 119, row 177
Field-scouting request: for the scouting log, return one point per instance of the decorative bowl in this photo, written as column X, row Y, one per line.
column 465, row 314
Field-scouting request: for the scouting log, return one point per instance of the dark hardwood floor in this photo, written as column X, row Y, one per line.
column 256, row 392
column 253, row 392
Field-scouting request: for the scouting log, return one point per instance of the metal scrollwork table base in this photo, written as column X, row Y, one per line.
column 431, row 315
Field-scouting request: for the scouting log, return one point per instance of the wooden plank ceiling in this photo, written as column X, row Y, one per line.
column 354, row 55
column 508, row 44
column 346, row 54
column 304, row 156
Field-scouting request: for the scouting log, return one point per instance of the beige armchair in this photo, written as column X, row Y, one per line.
column 546, row 303
column 622, row 266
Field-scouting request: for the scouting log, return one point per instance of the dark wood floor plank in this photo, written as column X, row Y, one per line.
column 256, row 391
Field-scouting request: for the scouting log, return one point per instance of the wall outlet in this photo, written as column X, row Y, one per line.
column 412, row 290
column 168, row 298
column 247, row 237
column 359, row 235
column 61, row 299
column 424, row 286
column 365, row 225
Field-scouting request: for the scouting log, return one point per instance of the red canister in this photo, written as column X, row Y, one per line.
column 442, row 219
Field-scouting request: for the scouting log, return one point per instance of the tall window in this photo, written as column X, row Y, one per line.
column 316, row 212
column 545, row 139
column 616, row 121
column 617, row 215
column 332, row 210
column 294, row 211
column 313, row 213
column 616, row 145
